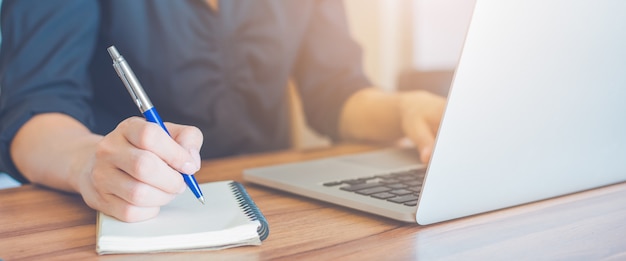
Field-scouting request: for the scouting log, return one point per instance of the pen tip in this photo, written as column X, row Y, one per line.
column 201, row 199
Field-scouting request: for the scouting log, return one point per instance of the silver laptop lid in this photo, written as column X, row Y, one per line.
column 537, row 108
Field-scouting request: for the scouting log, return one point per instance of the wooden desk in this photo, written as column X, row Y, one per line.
column 37, row 223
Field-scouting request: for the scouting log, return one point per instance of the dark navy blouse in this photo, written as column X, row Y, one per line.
column 225, row 72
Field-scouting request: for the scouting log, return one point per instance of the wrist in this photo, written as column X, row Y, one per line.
column 372, row 115
column 83, row 161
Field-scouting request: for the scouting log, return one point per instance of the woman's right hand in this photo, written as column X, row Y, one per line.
column 136, row 168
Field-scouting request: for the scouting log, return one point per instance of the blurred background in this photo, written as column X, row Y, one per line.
column 407, row 44
column 405, row 38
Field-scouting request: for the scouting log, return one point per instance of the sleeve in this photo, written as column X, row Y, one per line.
column 328, row 69
column 44, row 58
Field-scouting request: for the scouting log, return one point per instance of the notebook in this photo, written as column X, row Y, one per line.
column 229, row 218
column 537, row 109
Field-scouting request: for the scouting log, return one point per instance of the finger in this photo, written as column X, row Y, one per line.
column 146, row 167
column 108, row 203
column 122, row 210
column 188, row 137
column 421, row 133
column 135, row 192
column 150, row 136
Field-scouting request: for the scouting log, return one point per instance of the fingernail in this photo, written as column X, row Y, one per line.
column 182, row 190
column 195, row 154
column 189, row 168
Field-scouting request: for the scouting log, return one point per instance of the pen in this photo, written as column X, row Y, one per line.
column 145, row 106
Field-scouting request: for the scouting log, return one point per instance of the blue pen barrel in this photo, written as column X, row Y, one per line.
column 192, row 184
column 152, row 115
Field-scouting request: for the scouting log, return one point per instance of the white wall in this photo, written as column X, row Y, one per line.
column 408, row 34
column 439, row 28
column 383, row 29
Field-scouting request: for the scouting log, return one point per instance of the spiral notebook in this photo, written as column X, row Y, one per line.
column 228, row 219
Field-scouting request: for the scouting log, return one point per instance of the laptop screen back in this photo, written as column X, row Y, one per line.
column 537, row 108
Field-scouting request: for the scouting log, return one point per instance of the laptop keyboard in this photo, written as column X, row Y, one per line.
column 399, row 187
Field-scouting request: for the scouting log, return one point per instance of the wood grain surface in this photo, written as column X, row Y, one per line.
column 37, row 223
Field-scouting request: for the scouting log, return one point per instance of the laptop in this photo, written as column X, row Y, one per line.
column 536, row 110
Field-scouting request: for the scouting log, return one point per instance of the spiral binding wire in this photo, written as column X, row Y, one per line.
column 249, row 208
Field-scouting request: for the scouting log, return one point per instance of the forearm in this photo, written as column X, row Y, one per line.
column 372, row 115
column 53, row 149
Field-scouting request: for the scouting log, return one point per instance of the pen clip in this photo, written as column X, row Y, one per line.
column 129, row 87
column 130, row 80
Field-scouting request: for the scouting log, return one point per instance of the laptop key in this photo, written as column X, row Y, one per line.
column 402, row 199
column 360, row 186
column 389, row 181
column 373, row 190
column 401, row 191
column 415, row 189
column 397, row 186
column 413, row 183
column 383, row 195
column 353, row 181
column 333, row 183
column 411, row 203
